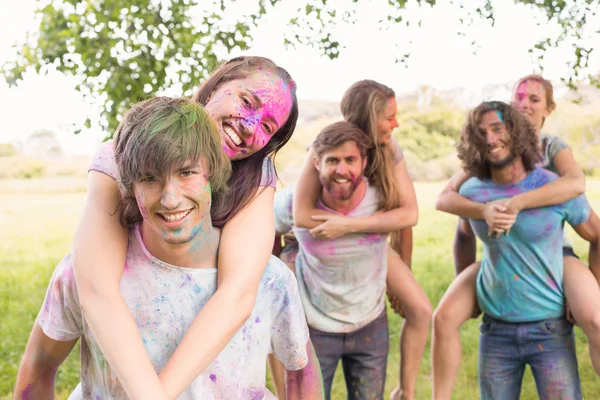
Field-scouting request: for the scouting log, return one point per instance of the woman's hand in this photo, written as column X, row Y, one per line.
column 500, row 215
column 332, row 227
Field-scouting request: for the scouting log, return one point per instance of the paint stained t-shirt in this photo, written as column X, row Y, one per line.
column 341, row 281
column 521, row 275
column 551, row 146
column 104, row 161
column 164, row 300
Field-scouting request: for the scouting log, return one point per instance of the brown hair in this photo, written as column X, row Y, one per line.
column 548, row 90
column 247, row 172
column 337, row 134
column 361, row 105
column 473, row 143
column 161, row 134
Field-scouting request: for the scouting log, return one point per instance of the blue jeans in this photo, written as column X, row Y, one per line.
column 364, row 358
column 547, row 346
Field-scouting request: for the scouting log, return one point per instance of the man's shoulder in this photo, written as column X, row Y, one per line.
column 285, row 196
column 278, row 286
column 64, row 271
column 283, row 209
column 277, row 272
column 539, row 177
column 473, row 184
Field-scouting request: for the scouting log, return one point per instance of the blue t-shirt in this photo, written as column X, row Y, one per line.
column 521, row 275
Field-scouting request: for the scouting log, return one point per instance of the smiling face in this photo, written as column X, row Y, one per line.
column 498, row 151
column 530, row 101
column 175, row 207
column 249, row 111
column 386, row 121
column 341, row 170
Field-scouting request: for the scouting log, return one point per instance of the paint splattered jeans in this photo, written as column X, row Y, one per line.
column 364, row 358
column 547, row 346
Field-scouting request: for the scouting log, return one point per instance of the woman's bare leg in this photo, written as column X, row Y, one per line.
column 417, row 313
column 455, row 308
column 583, row 295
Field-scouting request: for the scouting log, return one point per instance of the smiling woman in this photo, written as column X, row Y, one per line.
column 250, row 111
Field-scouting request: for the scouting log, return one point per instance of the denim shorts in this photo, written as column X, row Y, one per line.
column 569, row 252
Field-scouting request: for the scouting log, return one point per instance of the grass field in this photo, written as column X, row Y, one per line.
column 37, row 222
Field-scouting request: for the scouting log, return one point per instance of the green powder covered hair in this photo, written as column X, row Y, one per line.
column 161, row 134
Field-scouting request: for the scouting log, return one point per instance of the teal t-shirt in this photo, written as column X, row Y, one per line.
column 521, row 275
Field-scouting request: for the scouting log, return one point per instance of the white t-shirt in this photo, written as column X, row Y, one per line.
column 164, row 300
column 341, row 281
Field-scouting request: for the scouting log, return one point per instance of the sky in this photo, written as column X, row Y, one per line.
column 439, row 58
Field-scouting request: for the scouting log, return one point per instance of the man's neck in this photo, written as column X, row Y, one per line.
column 345, row 206
column 200, row 252
column 510, row 174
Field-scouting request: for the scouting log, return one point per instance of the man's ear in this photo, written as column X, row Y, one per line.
column 364, row 163
column 316, row 163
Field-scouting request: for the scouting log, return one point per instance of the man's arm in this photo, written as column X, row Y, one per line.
column 464, row 248
column 590, row 231
column 37, row 373
column 305, row 383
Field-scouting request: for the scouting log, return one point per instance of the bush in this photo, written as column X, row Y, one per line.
column 7, row 150
column 20, row 167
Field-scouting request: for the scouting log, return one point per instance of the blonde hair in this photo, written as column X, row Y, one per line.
column 361, row 105
column 548, row 90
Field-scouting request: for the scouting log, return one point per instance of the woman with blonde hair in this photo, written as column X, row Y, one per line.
column 533, row 97
column 372, row 107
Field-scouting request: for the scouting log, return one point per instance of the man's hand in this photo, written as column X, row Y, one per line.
column 333, row 226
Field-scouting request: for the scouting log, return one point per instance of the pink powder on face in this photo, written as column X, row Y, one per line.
column 258, row 120
column 230, row 153
column 140, row 203
column 276, row 104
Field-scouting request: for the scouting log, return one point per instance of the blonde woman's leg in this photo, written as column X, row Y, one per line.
column 583, row 296
column 457, row 305
column 416, row 310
